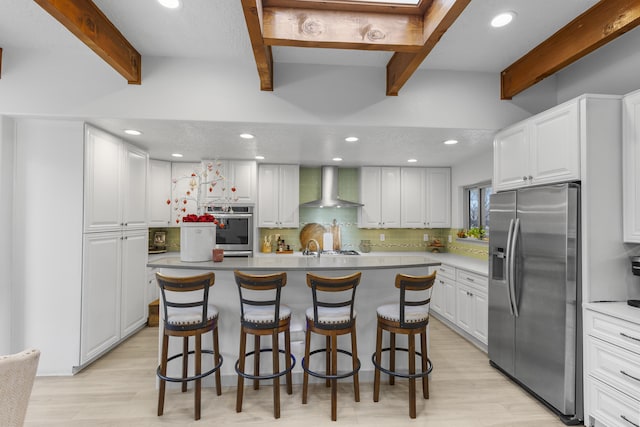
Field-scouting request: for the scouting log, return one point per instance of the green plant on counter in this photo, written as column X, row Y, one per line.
column 476, row 232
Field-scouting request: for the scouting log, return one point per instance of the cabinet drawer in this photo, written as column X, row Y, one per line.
column 615, row 366
column 472, row 279
column 616, row 331
column 612, row 408
column 446, row 271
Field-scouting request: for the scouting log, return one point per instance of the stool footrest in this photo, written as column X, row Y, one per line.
column 400, row 374
column 192, row 378
column 330, row 377
column 269, row 376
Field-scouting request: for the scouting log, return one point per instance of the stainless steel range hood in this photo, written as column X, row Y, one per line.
column 330, row 192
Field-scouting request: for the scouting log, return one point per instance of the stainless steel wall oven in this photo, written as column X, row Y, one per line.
column 234, row 233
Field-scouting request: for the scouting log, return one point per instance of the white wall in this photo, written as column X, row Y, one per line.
column 47, row 241
column 472, row 171
column 7, row 144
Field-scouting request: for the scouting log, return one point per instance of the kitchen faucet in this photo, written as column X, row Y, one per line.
column 307, row 252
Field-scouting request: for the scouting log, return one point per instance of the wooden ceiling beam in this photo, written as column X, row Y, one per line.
column 605, row 21
column 262, row 53
column 341, row 29
column 93, row 28
column 440, row 15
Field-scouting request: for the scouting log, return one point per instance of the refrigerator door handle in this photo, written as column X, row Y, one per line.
column 507, row 262
column 512, row 267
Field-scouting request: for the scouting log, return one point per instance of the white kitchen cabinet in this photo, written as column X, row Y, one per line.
column 380, row 196
column 239, row 174
column 541, row 150
column 425, row 197
column 278, row 196
column 113, row 289
column 159, row 193
column 445, row 281
column 180, row 185
column 631, row 167
column 115, row 177
column 612, row 364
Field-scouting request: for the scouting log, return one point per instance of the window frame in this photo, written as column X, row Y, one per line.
column 481, row 186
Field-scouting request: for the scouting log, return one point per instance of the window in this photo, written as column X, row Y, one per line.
column 476, row 209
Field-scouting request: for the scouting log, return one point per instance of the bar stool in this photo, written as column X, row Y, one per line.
column 188, row 313
column 262, row 314
column 410, row 318
column 331, row 317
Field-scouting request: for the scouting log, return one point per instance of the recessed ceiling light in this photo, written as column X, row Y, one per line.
column 170, row 4
column 412, row 160
column 259, row 157
column 351, row 139
column 176, row 155
column 451, row 141
column 502, row 19
column 132, row 132
column 337, row 159
column 246, row 136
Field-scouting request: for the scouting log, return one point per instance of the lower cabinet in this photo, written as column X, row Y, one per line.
column 113, row 289
column 459, row 298
column 612, row 365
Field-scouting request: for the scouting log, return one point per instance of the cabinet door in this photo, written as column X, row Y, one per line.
column 481, row 316
column 159, row 193
column 134, row 188
column 511, row 158
column 631, row 167
column 438, row 198
column 102, row 181
column 555, row 145
column 464, row 308
column 390, row 197
column 369, row 214
column 412, row 198
column 133, row 307
column 449, row 291
column 100, row 326
column 181, row 178
column 437, row 298
column 268, row 189
column 242, row 176
column 289, row 196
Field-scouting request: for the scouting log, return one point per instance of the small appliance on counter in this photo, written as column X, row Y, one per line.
column 635, row 269
column 159, row 243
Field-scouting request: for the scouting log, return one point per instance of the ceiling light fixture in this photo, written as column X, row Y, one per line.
column 502, row 19
column 351, row 139
column 259, row 157
column 246, row 136
column 132, row 132
column 170, row 4
column 412, row 160
column 451, row 142
column 176, row 155
column 337, row 159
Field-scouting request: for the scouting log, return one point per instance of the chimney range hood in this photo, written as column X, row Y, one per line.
column 330, row 192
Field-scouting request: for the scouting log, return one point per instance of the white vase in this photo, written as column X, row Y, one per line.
column 197, row 240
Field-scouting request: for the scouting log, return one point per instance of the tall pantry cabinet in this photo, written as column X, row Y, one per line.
column 115, row 242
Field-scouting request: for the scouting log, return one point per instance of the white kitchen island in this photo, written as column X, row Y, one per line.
column 377, row 286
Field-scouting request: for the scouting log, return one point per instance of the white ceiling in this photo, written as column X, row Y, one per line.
column 216, row 29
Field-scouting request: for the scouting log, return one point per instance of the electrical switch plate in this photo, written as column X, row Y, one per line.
column 382, row 237
column 450, row 239
column 425, row 237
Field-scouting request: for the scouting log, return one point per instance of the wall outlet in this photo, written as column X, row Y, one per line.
column 450, row 238
column 425, row 237
column 382, row 237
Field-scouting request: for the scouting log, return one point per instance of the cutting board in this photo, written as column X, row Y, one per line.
column 312, row 231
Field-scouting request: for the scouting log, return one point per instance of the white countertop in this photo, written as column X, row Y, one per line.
column 297, row 261
column 621, row 310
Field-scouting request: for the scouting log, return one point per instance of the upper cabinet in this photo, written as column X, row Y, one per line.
column 380, row 195
column 631, row 167
column 425, row 200
column 240, row 175
column 159, row 193
column 278, row 196
column 115, row 179
column 541, row 150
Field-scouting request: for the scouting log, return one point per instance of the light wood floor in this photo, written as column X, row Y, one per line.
column 119, row 390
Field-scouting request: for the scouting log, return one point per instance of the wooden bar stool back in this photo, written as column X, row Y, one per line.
column 410, row 317
column 332, row 317
column 187, row 312
column 262, row 314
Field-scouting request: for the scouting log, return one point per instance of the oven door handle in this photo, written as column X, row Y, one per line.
column 231, row 215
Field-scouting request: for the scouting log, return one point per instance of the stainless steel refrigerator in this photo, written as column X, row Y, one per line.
column 534, row 293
